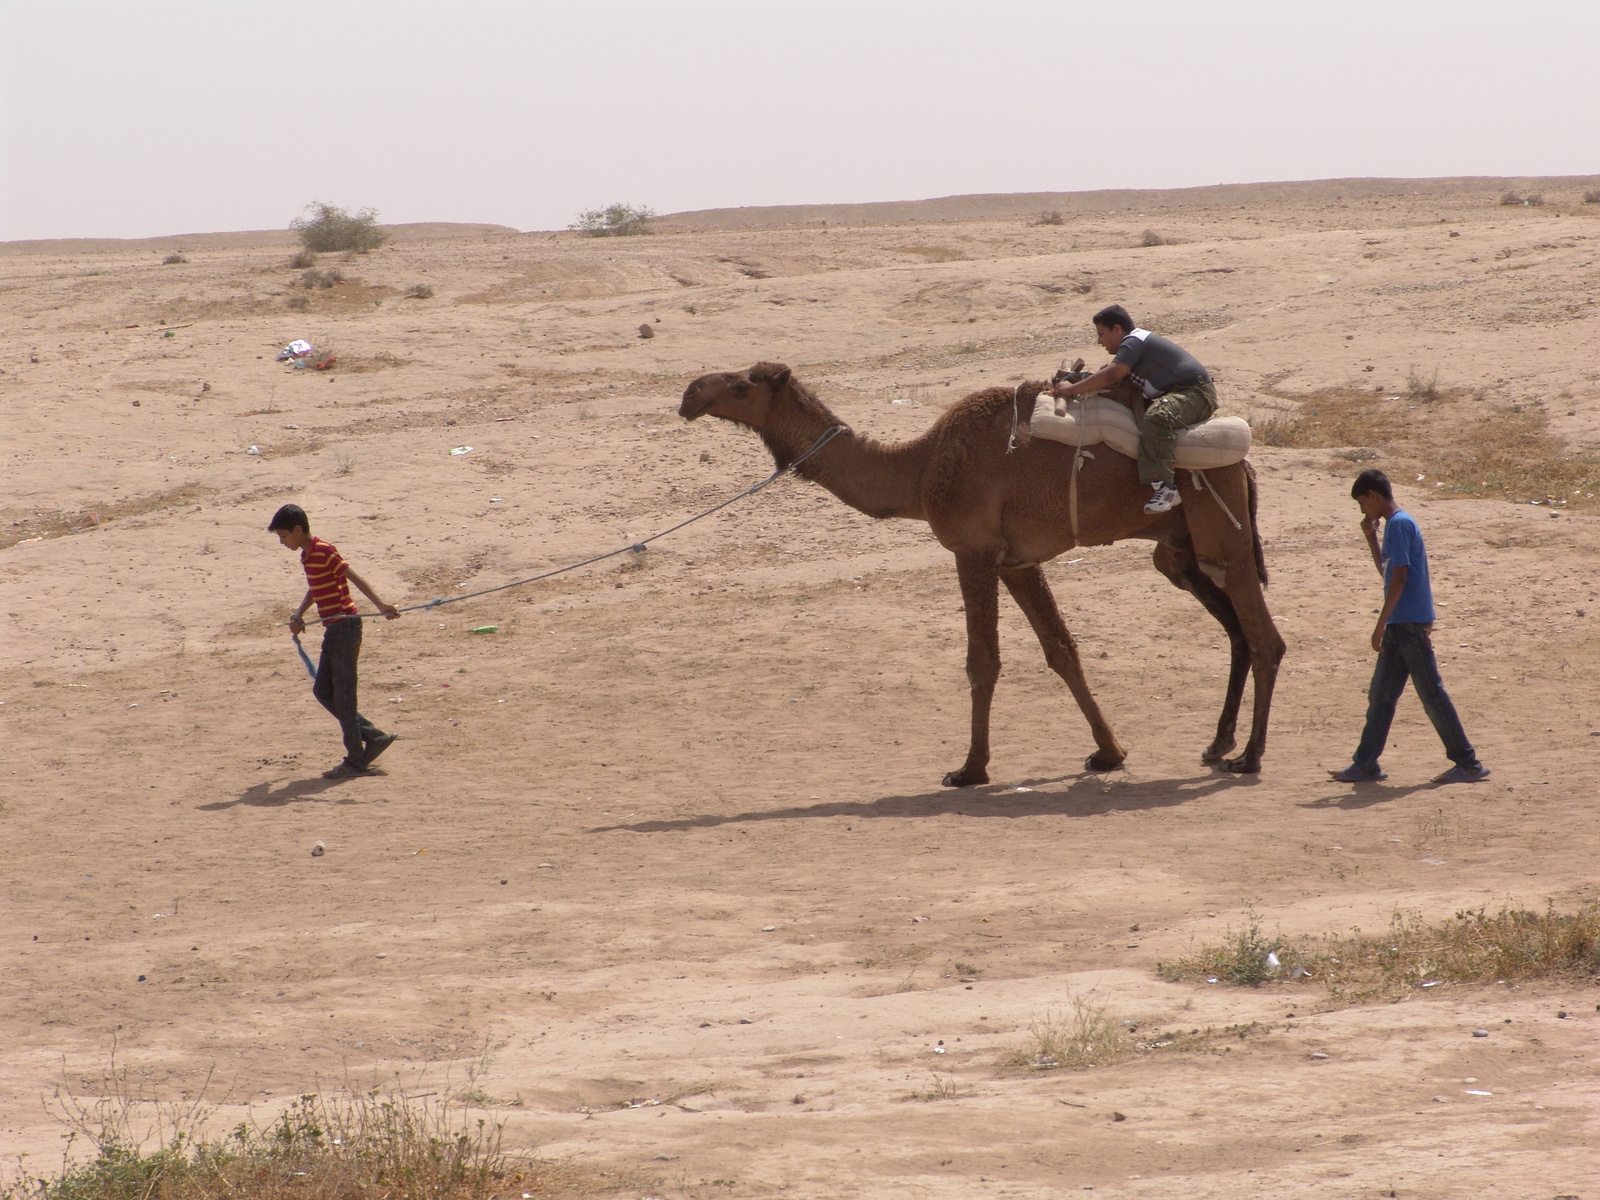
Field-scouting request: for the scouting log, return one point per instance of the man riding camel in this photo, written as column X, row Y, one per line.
column 1179, row 390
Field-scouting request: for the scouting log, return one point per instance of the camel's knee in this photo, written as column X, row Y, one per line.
column 982, row 673
column 1216, row 572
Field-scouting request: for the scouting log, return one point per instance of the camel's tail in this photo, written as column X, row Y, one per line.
column 1255, row 526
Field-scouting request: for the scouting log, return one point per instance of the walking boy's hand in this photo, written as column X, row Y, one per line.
column 389, row 611
column 296, row 625
column 1377, row 636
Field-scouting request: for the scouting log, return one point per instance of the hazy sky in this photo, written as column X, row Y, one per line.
column 127, row 119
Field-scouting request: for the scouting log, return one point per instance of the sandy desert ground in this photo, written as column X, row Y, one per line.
column 675, row 831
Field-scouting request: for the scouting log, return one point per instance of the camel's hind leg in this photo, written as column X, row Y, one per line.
column 1179, row 566
column 1231, row 559
column 1032, row 594
column 980, row 592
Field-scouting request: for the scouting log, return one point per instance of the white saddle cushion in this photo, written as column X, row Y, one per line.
column 1091, row 420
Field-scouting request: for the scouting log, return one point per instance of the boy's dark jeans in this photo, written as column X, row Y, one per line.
column 1408, row 654
column 335, row 688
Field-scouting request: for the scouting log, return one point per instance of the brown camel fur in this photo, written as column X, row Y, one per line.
column 1002, row 514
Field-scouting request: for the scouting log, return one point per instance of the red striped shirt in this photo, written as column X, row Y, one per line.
column 325, row 575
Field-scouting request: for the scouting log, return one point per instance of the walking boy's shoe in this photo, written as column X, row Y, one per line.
column 1459, row 774
column 343, row 771
column 1163, row 498
column 1354, row 774
column 378, row 745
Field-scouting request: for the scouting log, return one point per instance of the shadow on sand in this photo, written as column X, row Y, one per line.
column 263, row 795
column 1365, row 795
column 1086, row 795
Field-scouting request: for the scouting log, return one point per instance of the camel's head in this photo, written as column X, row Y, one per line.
column 742, row 396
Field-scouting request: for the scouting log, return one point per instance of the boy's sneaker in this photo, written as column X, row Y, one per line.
column 1459, row 774
column 378, row 745
column 343, row 771
column 1163, row 498
column 1354, row 774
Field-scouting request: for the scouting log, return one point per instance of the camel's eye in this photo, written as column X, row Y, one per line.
column 741, row 387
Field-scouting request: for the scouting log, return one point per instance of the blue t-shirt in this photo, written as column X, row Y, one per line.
column 1402, row 547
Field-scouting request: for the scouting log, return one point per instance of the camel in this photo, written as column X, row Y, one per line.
column 1003, row 513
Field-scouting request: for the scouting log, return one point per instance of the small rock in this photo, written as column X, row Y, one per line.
column 1480, row 1033
column 1116, row 1116
column 136, row 404
column 141, row 979
column 318, row 850
column 1561, row 1016
column 646, row 332
column 705, row 456
column 768, row 928
column 383, row 956
column 746, row 1021
column 1441, row 1099
column 1319, row 1054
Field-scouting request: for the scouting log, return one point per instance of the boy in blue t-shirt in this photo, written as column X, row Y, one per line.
column 1402, row 638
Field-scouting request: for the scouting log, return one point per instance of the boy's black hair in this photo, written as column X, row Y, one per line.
column 290, row 516
column 1369, row 481
column 1114, row 314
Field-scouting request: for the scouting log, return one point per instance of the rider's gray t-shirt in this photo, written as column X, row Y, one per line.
column 1156, row 364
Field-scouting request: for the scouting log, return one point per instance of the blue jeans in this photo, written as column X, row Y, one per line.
column 1408, row 654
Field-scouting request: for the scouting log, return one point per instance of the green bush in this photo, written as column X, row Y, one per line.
column 327, row 229
column 615, row 220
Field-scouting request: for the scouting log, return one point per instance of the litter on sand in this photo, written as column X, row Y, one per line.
column 1478, row 1092
column 298, row 348
column 486, row 629
column 461, row 450
column 254, row 450
column 318, row 850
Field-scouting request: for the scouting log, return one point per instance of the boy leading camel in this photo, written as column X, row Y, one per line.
column 328, row 579
column 1179, row 390
column 1403, row 639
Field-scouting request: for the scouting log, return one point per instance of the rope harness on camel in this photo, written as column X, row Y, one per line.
column 823, row 439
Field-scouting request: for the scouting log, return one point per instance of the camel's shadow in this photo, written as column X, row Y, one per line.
column 262, row 795
column 1087, row 795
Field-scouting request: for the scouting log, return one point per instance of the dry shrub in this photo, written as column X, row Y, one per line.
column 327, row 229
column 419, row 291
column 321, row 279
column 379, row 1145
column 1151, row 238
column 1535, row 201
column 1472, row 947
column 1085, row 1036
column 1455, row 439
column 1050, row 218
column 172, row 260
column 298, row 304
column 1592, row 196
column 615, row 220
column 303, row 259
column 1510, row 198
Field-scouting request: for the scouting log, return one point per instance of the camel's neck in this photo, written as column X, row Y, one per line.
column 881, row 481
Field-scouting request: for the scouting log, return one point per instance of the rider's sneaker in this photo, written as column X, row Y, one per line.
column 1163, row 498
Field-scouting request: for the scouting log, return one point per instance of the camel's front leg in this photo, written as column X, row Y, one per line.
column 1032, row 594
column 1266, row 652
column 980, row 592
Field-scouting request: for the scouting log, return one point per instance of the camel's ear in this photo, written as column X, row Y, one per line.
column 774, row 375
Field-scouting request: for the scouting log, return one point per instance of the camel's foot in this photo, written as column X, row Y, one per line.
column 1248, row 763
column 1216, row 752
column 1104, row 760
column 968, row 776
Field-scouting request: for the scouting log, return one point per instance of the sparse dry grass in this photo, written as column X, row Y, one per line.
column 1082, row 1035
column 1051, row 217
column 1463, row 445
column 173, row 260
column 1473, row 947
column 21, row 526
column 419, row 291
column 386, row 1144
column 1151, row 238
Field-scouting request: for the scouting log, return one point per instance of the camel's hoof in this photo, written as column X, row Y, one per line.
column 1243, row 765
column 965, row 778
column 1215, row 753
column 1100, row 761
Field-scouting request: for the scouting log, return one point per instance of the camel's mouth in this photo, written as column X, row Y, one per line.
column 694, row 404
